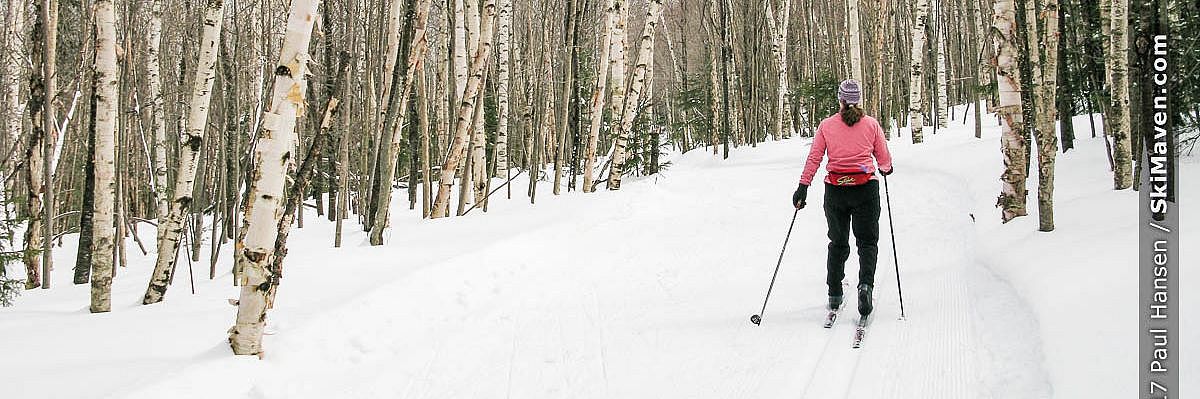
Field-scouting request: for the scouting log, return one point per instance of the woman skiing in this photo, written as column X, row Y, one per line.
column 854, row 143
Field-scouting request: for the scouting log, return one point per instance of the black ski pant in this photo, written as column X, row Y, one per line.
column 852, row 208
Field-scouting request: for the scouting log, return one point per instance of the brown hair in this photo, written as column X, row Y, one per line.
column 851, row 113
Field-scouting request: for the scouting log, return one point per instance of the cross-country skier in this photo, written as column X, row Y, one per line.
column 854, row 143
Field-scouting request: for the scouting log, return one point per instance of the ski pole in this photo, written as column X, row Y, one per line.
column 757, row 319
column 892, row 230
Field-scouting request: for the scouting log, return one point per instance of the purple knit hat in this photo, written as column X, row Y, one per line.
column 849, row 92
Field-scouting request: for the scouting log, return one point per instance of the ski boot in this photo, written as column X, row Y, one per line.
column 864, row 300
column 835, row 302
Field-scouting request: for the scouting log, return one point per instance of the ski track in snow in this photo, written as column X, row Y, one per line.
column 640, row 293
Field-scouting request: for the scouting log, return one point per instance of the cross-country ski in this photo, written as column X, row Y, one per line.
column 860, row 331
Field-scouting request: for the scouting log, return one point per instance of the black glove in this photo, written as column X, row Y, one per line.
column 888, row 172
column 799, row 197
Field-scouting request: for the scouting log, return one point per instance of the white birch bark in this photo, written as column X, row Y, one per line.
column 617, row 57
column 1118, row 63
column 505, row 49
column 155, row 106
column 392, row 48
column 1012, row 142
column 714, row 93
column 105, row 86
column 13, row 69
column 171, row 228
column 783, row 102
column 852, row 23
column 466, row 111
column 478, row 133
column 629, row 109
column 597, row 110
column 416, row 56
column 885, row 17
column 273, row 157
column 460, row 51
column 916, row 120
column 1047, row 115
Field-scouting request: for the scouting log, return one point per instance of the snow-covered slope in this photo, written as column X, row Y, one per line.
column 642, row 293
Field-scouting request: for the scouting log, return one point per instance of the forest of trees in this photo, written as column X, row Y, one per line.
column 231, row 121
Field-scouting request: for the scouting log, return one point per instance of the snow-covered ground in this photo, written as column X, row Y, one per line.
column 645, row 293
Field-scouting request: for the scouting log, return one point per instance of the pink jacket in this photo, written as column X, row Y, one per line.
column 850, row 148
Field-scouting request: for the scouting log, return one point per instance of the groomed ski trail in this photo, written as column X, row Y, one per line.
column 642, row 293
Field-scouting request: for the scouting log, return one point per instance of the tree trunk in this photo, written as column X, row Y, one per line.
column 49, row 16
column 1047, row 141
column 154, row 96
column 568, row 97
column 852, row 22
column 1065, row 98
column 641, row 72
column 34, row 155
column 783, row 127
column 1012, row 142
column 273, row 156
column 616, row 63
column 977, row 38
column 398, row 109
column 466, row 111
column 83, row 254
column 916, row 120
column 1118, row 122
column 105, row 91
column 189, row 152
column 304, row 175
column 423, row 127
column 603, row 65
column 505, row 49
column 478, row 150
column 13, row 69
column 878, row 80
column 727, row 135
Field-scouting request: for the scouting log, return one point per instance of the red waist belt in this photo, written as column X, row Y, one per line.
column 848, row 179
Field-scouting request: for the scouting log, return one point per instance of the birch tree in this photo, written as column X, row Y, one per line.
column 392, row 47
column 630, row 108
column 189, row 153
column 106, row 114
column 783, row 127
column 273, row 156
column 34, row 155
column 979, row 74
column 48, row 15
column 616, row 61
column 1047, row 141
column 465, row 112
column 916, row 81
column 1012, row 141
column 398, row 109
column 505, row 53
column 15, row 32
column 478, row 150
column 1118, row 69
column 154, row 97
column 460, row 50
column 603, row 66
column 852, row 22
